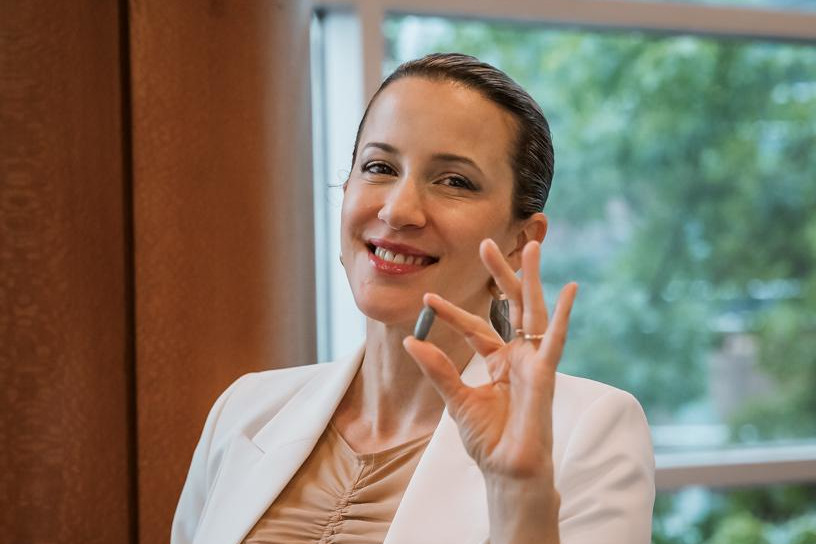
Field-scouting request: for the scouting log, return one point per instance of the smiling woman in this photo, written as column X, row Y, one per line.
column 433, row 157
column 468, row 435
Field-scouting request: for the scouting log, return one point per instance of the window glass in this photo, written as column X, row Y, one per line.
column 782, row 514
column 684, row 203
column 793, row 5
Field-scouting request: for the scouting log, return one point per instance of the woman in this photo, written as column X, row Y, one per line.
column 468, row 436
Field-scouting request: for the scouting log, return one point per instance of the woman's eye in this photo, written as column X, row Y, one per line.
column 378, row 168
column 458, row 182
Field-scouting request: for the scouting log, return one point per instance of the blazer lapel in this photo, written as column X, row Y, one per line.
column 256, row 469
column 446, row 499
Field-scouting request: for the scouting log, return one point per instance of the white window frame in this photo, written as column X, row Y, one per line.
column 357, row 25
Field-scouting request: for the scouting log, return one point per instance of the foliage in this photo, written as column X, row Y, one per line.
column 742, row 528
column 683, row 204
column 784, row 514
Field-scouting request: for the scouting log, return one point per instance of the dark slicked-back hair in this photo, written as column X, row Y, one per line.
column 531, row 158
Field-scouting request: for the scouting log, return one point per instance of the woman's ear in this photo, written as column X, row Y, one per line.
column 532, row 228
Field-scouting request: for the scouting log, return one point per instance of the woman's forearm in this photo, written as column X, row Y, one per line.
column 522, row 511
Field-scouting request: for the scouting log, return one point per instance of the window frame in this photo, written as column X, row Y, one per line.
column 363, row 54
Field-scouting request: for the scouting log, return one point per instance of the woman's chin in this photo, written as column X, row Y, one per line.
column 394, row 314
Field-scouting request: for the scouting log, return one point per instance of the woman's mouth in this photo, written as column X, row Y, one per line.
column 397, row 259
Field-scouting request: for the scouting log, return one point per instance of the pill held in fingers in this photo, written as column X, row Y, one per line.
column 424, row 322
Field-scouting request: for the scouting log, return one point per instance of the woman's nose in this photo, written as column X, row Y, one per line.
column 403, row 206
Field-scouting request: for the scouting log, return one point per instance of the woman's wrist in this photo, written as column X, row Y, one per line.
column 522, row 511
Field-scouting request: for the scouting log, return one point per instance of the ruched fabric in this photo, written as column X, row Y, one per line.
column 339, row 496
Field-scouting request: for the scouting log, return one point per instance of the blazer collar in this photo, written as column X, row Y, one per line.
column 308, row 412
column 255, row 469
column 446, row 499
column 444, row 502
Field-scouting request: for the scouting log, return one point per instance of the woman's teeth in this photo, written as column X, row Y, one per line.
column 399, row 258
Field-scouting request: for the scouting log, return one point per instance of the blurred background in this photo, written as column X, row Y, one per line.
column 170, row 217
column 684, row 203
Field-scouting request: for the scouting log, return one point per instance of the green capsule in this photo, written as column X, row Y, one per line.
column 424, row 322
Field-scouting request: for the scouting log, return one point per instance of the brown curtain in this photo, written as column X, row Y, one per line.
column 155, row 243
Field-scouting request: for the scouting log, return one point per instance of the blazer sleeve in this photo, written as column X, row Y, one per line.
column 606, row 479
column 202, row 473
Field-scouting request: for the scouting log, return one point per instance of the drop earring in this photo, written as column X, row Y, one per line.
column 495, row 292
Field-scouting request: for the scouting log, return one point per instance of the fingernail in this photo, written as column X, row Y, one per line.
column 433, row 297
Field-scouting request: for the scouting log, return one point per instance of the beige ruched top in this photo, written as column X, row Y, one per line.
column 339, row 496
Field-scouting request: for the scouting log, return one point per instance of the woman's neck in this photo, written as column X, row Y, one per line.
column 390, row 401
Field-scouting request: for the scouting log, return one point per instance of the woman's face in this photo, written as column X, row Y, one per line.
column 432, row 179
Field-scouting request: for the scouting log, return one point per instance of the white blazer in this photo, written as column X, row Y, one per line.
column 264, row 426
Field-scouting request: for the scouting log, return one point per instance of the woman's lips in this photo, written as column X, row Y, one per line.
column 393, row 262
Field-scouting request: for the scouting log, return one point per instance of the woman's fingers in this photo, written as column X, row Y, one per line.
column 553, row 345
column 439, row 369
column 534, row 319
column 505, row 278
column 536, row 393
column 477, row 332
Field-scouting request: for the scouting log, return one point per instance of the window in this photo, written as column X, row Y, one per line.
column 792, row 5
column 683, row 203
column 781, row 514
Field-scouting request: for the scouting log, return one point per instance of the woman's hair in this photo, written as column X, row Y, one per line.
column 532, row 159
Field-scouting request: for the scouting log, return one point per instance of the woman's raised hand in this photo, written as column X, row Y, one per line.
column 506, row 425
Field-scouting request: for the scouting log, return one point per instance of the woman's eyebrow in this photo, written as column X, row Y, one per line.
column 451, row 157
column 388, row 148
